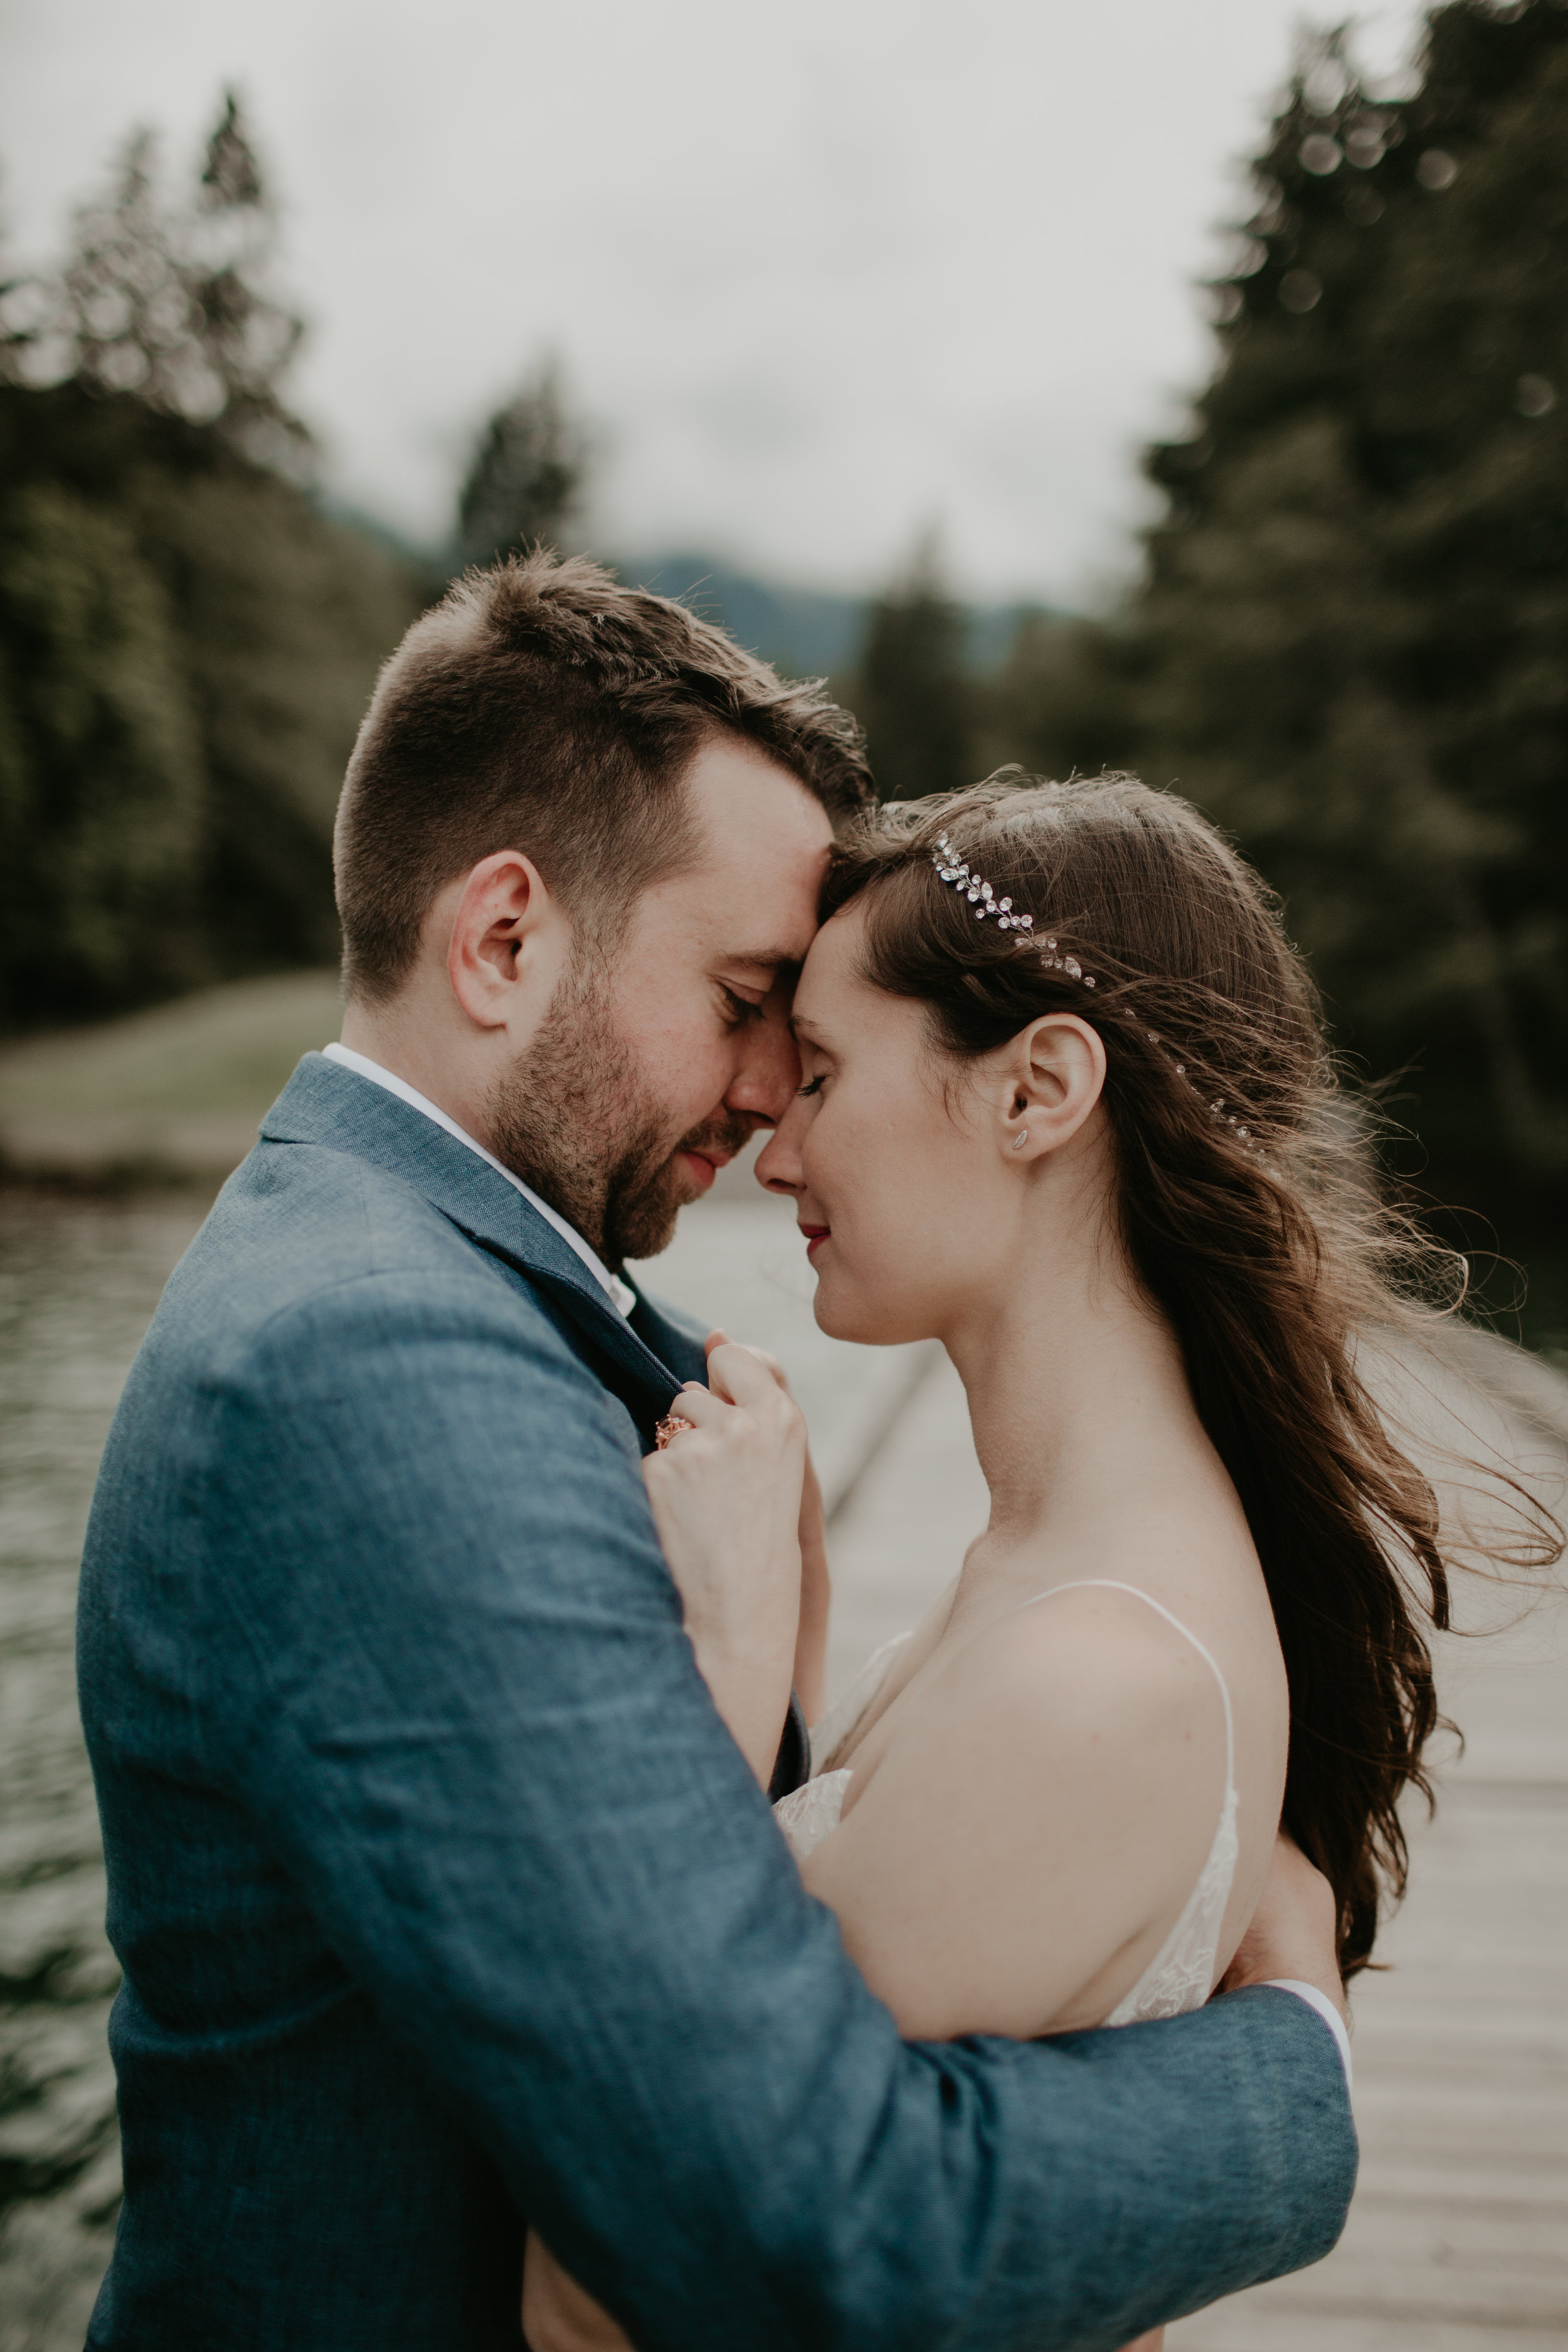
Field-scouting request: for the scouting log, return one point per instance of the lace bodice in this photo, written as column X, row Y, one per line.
column 1181, row 1975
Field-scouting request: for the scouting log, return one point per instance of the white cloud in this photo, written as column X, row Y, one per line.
column 820, row 273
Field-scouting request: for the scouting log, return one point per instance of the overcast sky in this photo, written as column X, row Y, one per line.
column 820, row 273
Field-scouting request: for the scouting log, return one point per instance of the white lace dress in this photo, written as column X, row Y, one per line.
column 1181, row 1974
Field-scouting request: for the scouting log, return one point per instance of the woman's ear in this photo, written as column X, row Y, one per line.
column 1052, row 1075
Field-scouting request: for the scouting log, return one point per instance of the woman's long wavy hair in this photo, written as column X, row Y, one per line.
column 1250, row 1211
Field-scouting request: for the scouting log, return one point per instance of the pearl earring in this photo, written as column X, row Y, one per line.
column 1020, row 1139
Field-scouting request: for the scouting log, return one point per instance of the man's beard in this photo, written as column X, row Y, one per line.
column 580, row 1123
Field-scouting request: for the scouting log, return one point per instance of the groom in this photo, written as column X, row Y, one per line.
column 446, row 1902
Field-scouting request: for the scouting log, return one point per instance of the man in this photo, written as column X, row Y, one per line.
column 445, row 1903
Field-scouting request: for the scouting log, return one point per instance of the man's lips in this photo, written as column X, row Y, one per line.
column 814, row 1235
column 704, row 1165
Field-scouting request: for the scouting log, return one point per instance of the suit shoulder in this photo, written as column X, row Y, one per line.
column 305, row 1236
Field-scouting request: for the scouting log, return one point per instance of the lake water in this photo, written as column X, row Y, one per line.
column 77, row 1284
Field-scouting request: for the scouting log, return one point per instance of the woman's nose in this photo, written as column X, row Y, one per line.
column 778, row 1161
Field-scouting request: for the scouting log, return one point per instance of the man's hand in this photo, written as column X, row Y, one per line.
column 1292, row 1932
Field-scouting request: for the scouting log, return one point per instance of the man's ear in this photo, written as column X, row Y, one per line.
column 508, row 941
column 1052, row 1075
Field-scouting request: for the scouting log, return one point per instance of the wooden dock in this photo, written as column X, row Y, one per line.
column 1457, row 2239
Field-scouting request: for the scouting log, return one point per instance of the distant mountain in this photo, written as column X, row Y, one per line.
column 807, row 632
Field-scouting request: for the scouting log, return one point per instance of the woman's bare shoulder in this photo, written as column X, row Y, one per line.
column 1091, row 1666
column 1052, row 1790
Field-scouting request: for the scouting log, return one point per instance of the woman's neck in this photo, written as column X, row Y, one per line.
column 1077, row 1392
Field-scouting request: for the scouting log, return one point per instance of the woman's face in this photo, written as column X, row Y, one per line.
column 890, row 1153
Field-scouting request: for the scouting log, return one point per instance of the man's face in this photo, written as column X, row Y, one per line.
column 665, row 1049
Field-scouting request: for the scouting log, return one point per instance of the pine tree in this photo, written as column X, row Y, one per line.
column 29, row 319
column 526, row 474
column 186, row 642
column 100, row 768
column 1356, row 608
column 913, row 692
column 246, row 336
column 126, row 300
column 1066, row 701
column 173, row 305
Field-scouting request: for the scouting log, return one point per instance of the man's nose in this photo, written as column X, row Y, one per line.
column 764, row 1085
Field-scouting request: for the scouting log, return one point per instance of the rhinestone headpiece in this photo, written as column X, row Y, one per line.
column 980, row 895
column 952, row 869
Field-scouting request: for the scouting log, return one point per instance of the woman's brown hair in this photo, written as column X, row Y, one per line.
column 1250, row 1211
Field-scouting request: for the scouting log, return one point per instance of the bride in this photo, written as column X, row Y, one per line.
column 1065, row 1107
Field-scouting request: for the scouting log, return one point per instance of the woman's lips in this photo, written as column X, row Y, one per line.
column 815, row 1235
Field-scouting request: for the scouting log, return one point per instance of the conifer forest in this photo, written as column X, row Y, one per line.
column 1346, row 639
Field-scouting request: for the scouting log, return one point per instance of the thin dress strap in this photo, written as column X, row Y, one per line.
column 1114, row 1584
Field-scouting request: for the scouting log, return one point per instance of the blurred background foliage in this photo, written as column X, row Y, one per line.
column 1348, row 641
column 186, row 639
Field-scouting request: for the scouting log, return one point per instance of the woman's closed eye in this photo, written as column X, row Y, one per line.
column 812, row 1087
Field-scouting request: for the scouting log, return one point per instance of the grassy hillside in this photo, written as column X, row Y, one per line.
column 176, row 1090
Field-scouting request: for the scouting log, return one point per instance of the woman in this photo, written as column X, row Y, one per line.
column 1065, row 1107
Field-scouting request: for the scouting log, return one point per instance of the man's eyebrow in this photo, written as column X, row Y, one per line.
column 766, row 959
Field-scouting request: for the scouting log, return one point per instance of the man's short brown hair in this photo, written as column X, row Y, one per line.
column 544, row 707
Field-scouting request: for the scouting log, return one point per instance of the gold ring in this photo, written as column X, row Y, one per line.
column 669, row 1428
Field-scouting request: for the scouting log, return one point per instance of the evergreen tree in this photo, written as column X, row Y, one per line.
column 526, row 476
column 913, row 692
column 173, row 304
column 1356, row 607
column 186, row 648
column 246, row 336
column 1066, row 701
column 100, row 772
column 29, row 308
column 187, row 643
column 126, row 300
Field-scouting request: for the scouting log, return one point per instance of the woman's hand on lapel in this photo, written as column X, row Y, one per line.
column 726, row 1494
column 816, row 1581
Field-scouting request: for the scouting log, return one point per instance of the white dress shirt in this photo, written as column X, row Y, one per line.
column 621, row 1294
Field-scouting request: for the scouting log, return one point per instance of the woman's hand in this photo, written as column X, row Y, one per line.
column 726, row 1497
column 557, row 2315
column 816, row 1582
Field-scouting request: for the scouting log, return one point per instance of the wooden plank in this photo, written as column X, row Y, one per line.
column 1458, row 2238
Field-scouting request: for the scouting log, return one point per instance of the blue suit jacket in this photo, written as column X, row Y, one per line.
column 445, row 1899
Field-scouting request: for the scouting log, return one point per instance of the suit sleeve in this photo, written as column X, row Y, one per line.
column 449, row 1677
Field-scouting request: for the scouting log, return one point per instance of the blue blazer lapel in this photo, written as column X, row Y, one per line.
column 673, row 1342
column 642, row 1358
column 325, row 1103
